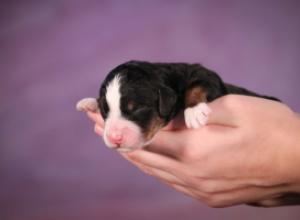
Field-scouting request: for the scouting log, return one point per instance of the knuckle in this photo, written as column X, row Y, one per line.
column 230, row 101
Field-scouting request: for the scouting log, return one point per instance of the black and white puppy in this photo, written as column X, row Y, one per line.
column 138, row 98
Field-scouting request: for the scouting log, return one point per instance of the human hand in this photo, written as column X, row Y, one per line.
column 248, row 153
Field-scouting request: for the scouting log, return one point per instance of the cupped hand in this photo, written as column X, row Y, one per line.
column 249, row 152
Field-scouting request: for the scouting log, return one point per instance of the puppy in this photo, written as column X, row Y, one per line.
column 138, row 98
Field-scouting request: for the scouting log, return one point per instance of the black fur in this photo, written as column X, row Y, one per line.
column 158, row 89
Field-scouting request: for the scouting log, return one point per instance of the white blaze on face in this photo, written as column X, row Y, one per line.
column 113, row 97
column 116, row 125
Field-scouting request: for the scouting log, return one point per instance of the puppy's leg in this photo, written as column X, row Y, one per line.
column 87, row 104
column 196, row 110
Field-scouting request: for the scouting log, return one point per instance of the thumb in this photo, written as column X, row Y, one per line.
column 176, row 124
column 225, row 111
column 172, row 140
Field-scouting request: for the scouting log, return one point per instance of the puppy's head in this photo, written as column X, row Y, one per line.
column 135, row 104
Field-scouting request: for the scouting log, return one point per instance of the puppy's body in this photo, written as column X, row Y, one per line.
column 138, row 98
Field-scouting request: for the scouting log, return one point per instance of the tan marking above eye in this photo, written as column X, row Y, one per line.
column 130, row 105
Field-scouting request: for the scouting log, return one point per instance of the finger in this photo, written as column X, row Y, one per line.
column 180, row 144
column 266, row 203
column 98, row 130
column 176, row 124
column 221, row 184
column 153, row 160
column 224, row 111
column 96, row 117
column 246, row 195
column 284, row 200
column 159, row 174
column 182, row 189
column 169, row 143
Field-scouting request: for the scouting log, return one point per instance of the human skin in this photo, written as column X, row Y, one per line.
column 249, row 152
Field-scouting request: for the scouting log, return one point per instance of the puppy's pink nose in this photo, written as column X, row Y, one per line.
column 115, row 138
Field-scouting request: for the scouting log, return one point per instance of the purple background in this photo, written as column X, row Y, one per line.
column 53, row 53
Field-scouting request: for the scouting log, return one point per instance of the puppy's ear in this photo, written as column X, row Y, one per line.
column 167, row 99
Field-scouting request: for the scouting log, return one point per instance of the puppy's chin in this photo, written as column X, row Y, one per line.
column 130, row 148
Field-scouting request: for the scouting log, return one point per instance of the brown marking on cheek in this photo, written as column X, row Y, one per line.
column 194, row 95
column 155, row 125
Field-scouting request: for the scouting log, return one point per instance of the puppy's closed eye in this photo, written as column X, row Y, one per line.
column 141, row 110
column 135, row 108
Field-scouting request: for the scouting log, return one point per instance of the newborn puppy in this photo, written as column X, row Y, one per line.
column 138, row 98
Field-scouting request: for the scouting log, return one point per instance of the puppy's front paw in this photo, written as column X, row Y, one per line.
column 196, row 116
column 87, row 104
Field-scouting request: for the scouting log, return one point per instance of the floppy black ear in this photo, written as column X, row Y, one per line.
column 167, row 100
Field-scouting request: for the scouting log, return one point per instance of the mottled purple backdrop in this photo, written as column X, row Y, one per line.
column 53, row 53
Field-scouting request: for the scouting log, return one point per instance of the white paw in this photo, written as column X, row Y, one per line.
column 87, row 104
column 196, row 116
